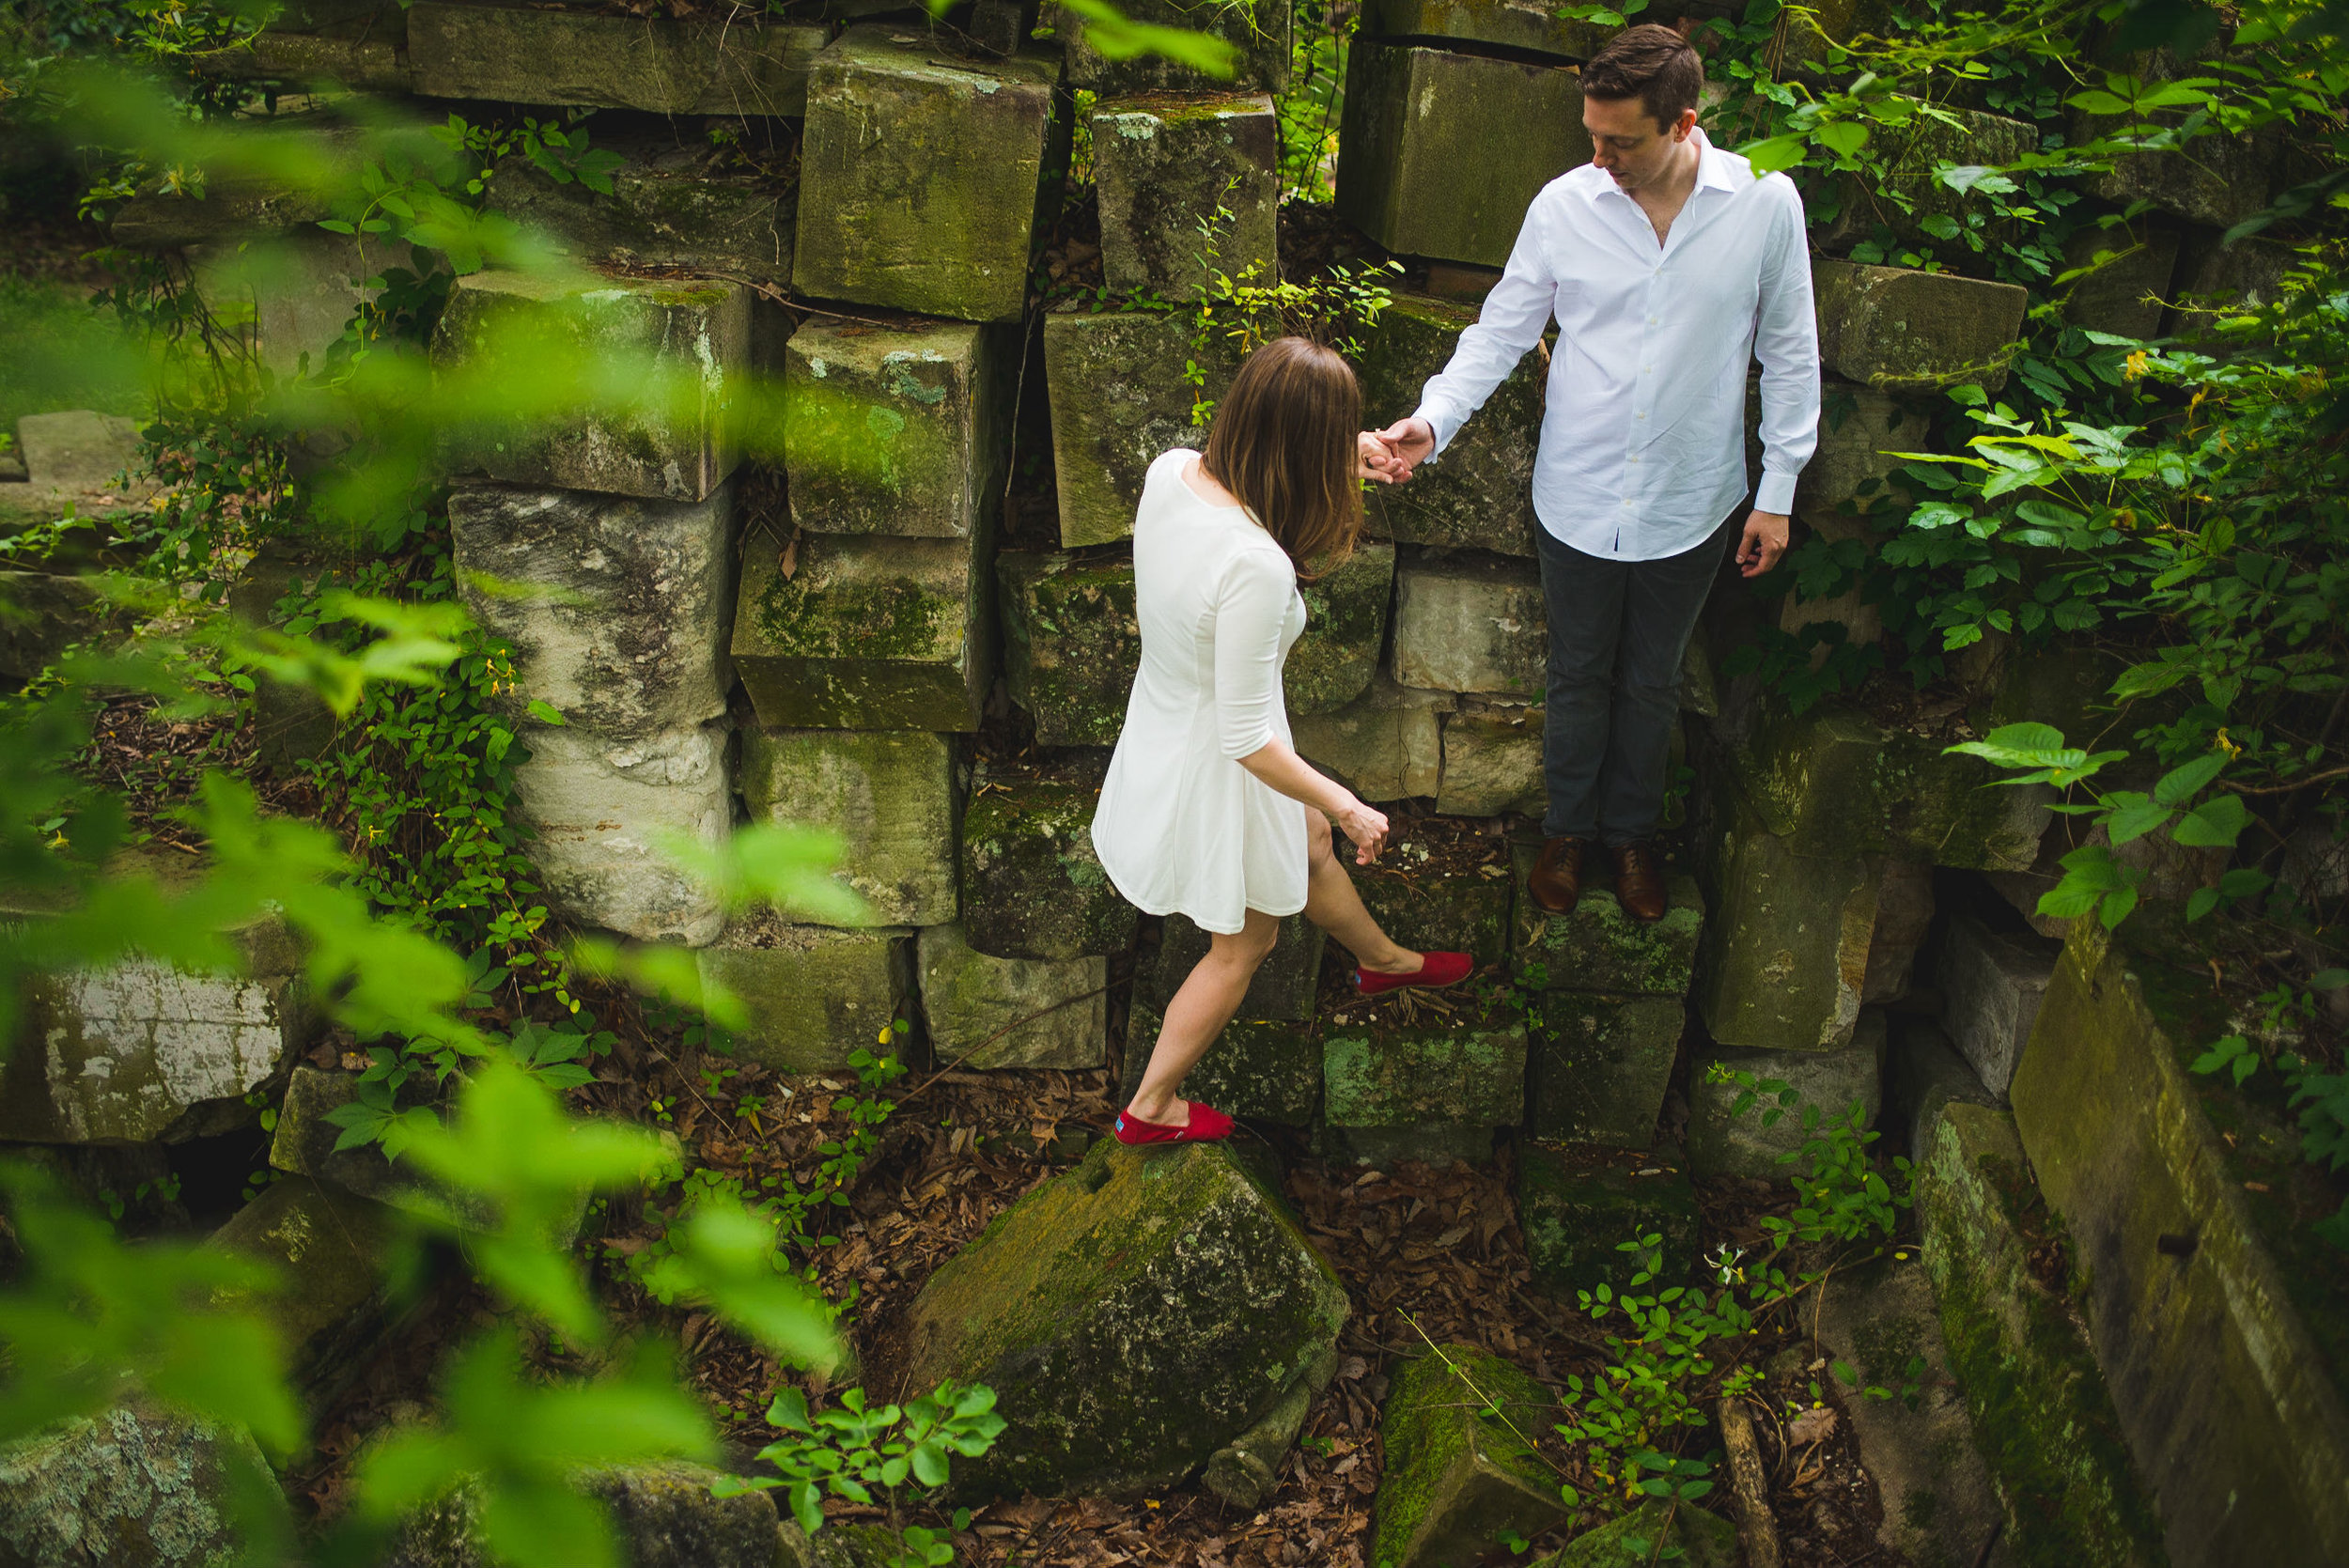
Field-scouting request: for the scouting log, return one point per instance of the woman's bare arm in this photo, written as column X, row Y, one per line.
column 1280, row 767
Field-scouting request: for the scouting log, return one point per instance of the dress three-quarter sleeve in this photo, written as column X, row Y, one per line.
column 1251, row 606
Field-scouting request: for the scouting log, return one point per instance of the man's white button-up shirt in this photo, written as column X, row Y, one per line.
column 1643, row 438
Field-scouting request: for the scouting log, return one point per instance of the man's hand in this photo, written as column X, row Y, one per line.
column 1404, row 445
column 1763, row 542
column 1372, row 460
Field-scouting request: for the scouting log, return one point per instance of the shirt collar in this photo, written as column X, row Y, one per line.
column 1716, row 170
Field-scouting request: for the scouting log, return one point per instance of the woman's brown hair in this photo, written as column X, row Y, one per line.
column 1282, row 443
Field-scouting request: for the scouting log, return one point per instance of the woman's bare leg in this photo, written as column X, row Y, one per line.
column 1331, row 903
column 1196, row 1013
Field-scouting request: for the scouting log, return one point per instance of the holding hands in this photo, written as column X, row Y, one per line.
column 1389, row 455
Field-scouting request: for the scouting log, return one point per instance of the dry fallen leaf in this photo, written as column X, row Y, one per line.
column 1812, row 1426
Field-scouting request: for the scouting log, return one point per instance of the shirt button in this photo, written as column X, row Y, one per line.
column 1640, row 416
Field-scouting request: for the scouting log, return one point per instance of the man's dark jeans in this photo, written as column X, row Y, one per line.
column 1618, row 631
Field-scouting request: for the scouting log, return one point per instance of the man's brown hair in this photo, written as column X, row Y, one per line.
column 1282, row 443
column 1651, row 63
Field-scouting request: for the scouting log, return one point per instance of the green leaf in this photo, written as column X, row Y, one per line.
column 1843, row 137
column 2133, row 815
column 1118, row 37
column 2213, row 825
column 2181, row 784
column 546, row 713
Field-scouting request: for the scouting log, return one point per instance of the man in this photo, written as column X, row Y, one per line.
column 1668, row 265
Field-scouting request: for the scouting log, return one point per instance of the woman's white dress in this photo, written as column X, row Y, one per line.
column 1182, row 826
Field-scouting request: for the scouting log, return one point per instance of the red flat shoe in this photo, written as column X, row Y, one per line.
column 1207, row 1124
column 1436, row 971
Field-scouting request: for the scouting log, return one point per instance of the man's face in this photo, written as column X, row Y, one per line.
column 1626, row 142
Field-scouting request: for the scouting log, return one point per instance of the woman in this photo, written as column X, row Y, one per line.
column 1207, row 809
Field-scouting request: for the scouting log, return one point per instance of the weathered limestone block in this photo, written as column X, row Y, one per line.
column 1140, row 1311
column 1898, row 329
column 900, row 431
column 1600, row 1066
column 1284, row 984
column 1721, row 1144
column 662, row 64
column 1011, row 1012
column 360, row 63
column 1492, row 762
column 285, row 295
column 1378, row 1072
column 1992, row 983
column 2213, row 1358
column 1510, row 23
column 660, row 363
column 43, row 615
column 1459, row 1469
column 1922, row 1072
column 1785, row 957
column 1577, row 1205
column 663, row 1515
column 1906, row 193
column 921, row 176
column 2055, row 1448
column 1599, row 948
column 1905, row 908
column 2249, row 273
column 1263, row 1069
column 291, row 723
column 1119, row 402
column 1346, row 631
column 1470, row 626
column 601, row 808
column 1164, row 167
column 889, row 794
column 1858, row 431
column 1466, row 914
column 303, row 1146
column 1416, row 118
column 134, row 1487
column 1071, row 643
column 89, row 461
column 332, row 1251
column 839, row 1546
column 672, row 203
column 1832, row 780
column 867, row 633
column 1692, row 1537
column 627, row 635
column 1384, row 745
column 1033, row 887
column 2126, row 291
column 815, row 995
column 1480, row 494
column 1258, row 30
column 2217, row 178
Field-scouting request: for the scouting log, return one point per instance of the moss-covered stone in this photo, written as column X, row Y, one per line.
column 663, row 1515
column 1492, row 762
column 1600, row 1066
column 632, row 639
column 1119, row 402
column 2218, row 178
column 132, row 1487
column 1263, row 1069
column 1468, row 1070
column 681, row 350
column 1011, row 1012
column 331, row 1252
column 1467, row 912
column 2126, row 291
column 1258, row 30
column 1138, row 1313
column 703, row 66
column 921, row 176
column 1993, row 982
column 867, row 633
column 1480, row 494
column 1415, row 119
column 2225, row 1363
column 1526, row 24
column 43, row 615
column 1829, row 1083
column 672, row 203
column 1033, row 887
column 303, row 1146
column 1165, row 167
column 2046, row 1423
column 1859, row 428
column 1285, row 985
column 1900, row 330
column 1461, row 1471
column 1579, row 1204
column 1346, row 631
column 602, row 807
column 1694, row 1539
column 1784, row 958
column 840, row 1545
column 1907, row 145
column 1464, row 624
column 1071, row 643
column 888, row 794
column 1441, row 1144
column 895, row 429
column 1384, row 745
column 1597, row 947
column 815, row 995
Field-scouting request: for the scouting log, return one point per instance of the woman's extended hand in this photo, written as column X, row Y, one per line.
column 1366, row 827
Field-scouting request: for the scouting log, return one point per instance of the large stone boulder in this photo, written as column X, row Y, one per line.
column 1071, row 643
column 1492, row 761
column 1379, row 1070
column 1596, row 947
column 1899, row 330
column 1416, row 118
column 1461, row 1470
column 673, row 204
column 1466, row 911
column 988, row 1012
column 2127, row 283
column 890, row 795
column 1258, row 33
column 1723, row 1142
column 135, row 1487
column 1600, row 1066
column 1262, row 1069
column 1480, row 494
column 1860, row 430
column 1465, row 625
column 1579, row 1204
column 601, row 808
column 43, row 613
column 1033, row 887
column 1167, row 168
column 659, row 363
column 1346, row 631
column 1680, row 1534
column 1119, row 402
column 663, row 1516
column 815, row 995
column 1783, row 961
column 1137, row 1314
column 922, row 175
column 666, row 66
column 1385, row 745
column 1992, row 983
column 625, row 633
column 1904, row 197
column 331, row 1253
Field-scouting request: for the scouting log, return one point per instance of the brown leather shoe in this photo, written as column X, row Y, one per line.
column 1639, row 882
column 1556, row 880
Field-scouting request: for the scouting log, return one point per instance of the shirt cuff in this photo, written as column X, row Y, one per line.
column 1776, row 493
column 1439, row 421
